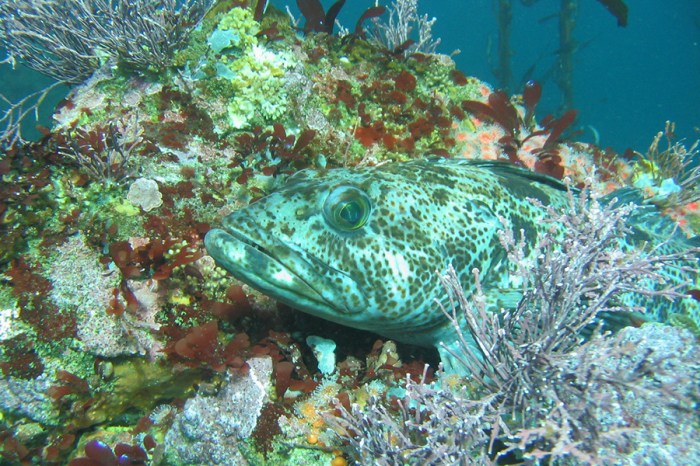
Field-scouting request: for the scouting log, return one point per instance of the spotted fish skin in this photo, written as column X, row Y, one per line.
column 361, row 247
column 424, row 215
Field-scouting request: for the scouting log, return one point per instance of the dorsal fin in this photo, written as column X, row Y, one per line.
column 506, row 170
column 625, row 195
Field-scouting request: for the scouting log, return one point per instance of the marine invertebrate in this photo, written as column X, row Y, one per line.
column 250, row 70
column 257, row 78
column 324, row 350
column 669, row 176
column 311, row 411
column 144, row 193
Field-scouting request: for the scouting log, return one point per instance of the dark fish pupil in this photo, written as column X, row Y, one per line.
column 351, row 212
column 346, row 209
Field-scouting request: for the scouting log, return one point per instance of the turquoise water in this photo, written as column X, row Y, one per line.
column 627, row 81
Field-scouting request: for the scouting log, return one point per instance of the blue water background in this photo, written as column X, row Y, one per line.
column 627, row 81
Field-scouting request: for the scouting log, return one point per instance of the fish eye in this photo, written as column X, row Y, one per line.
column 347, row 208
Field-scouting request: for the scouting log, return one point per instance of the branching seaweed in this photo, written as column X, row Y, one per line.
column 414, row 431
column 69, row 40
column 537, row 390
column 405, row 29
column 676, row 163
column 104, row 154
column 16, row 112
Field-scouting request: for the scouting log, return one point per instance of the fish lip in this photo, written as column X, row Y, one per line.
column 257, row 246
column 250, row 243
column 310, row 282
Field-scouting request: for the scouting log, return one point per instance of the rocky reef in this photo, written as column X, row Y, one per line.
column 122, row 342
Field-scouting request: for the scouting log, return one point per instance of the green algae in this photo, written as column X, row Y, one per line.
column 233, row 75
column 137, row 383
column 236, row 79
column 686, row 322
column 285, row 454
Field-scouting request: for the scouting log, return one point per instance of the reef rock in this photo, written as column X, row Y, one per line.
column 209, row 427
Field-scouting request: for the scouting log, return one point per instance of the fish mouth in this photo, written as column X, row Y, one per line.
column 284, row 271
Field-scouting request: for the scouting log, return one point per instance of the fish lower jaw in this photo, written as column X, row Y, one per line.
column 296, row 284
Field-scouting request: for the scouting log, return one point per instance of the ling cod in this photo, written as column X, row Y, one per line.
column 360, row 247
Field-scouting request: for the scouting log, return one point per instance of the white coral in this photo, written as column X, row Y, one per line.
column 144, row 193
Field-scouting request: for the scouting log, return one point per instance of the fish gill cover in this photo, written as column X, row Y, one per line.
column 353, row 174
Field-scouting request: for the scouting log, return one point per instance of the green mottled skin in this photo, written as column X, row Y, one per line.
column 425, row 214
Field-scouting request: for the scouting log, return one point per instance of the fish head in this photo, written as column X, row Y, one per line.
column 339, row 244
